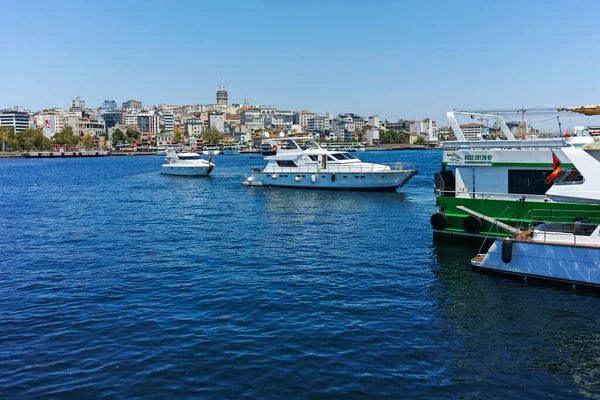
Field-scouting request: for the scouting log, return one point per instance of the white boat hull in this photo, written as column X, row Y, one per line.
column 331, row 181
column 577, row 264
column 169, row 169
column 211, row 152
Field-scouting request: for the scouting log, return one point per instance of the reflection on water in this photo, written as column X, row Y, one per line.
column 508, row 331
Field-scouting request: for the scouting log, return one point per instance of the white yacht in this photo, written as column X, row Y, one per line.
column 231, row 150
column 186, row 164
column 211, row 150
column 302, row 163
column 560, row 251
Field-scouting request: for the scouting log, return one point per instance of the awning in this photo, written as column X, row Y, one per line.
column 585, row 110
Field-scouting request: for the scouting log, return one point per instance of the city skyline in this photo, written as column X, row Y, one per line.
column 393, row 59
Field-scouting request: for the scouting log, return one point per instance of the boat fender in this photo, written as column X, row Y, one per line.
column 507, row 251
column 472, row 224
column 297, row 179
column 275, row 148
column 250, row 179
column 439, row 221
column 333, row 177
column 274, row 176
column 313, row 178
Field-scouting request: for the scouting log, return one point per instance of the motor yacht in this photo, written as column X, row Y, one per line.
column 302, row 163
column 187, row 164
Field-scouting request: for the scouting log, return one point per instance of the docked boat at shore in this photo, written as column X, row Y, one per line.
column 231, row 150
column 187, row 164
column 505, row 179
column 211, row 150
column 557, row 250
column 302, row 163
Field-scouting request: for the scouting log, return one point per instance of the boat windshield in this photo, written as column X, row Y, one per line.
column 349, row 156
column 196, row 157
column 576, row 228
column 340, row 156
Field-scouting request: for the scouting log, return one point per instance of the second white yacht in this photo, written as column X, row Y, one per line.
column 187, row 164
column 302, row 163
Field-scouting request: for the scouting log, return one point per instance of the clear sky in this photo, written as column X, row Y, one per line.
column 397, row 59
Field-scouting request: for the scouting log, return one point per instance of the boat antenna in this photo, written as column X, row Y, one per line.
column 559, row 125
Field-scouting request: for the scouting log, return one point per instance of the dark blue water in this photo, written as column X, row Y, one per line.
column 118, row 281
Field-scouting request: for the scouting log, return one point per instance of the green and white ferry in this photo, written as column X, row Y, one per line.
column 505, row 179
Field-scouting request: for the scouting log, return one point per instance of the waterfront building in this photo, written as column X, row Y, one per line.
column 112, row 118
column 194, row 126
column 164, row 139
column 148, row 121
column 50, row 121
column 400, row 126
column 217, row 121
column 83, row 126
column 304, row 119
column 222, row 95
column 132, row 105
column 372, row 136
column 15, row 117
column 168, row 120
column 472, row 132
column 253, row 118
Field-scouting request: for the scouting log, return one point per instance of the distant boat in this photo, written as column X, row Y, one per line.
column 186, row 164
column 231, row 150
column 211, row 150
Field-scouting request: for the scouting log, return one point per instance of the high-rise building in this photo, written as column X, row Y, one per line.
column 168, row 120
column 222, row 95
column 19, row 120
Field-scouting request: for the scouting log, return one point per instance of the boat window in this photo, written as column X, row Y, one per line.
column 329, row 158
column 189, row 157
column 349, row 156
column 339, row 156
column 522, row 181
column 286, row 163
column 313, row 157
column 570, row 177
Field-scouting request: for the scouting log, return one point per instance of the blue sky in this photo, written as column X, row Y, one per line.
column 398, row 59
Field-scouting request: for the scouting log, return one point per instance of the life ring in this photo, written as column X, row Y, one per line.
column 275, row 147
column 553, row 175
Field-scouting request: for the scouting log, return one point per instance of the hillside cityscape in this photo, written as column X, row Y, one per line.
column 134, row 126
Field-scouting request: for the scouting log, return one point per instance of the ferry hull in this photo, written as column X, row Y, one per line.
column 186, row 171
column 517, row 213
column 383, row 181
column 574, row 264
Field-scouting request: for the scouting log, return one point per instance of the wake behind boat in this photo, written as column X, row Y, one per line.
column 187, row 164
column 302, row 163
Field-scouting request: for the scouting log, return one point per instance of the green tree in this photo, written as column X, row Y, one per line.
column 133, row 134
column 212, row 136
column 178, row 136
column 118, row 137
column 88, row 142
column 66, row 136
column 421, row 141
column 8, row 141
column 32, row 139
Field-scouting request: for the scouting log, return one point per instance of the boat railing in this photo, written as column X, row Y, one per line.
column 542, row 214
column 350, row 169
column 505, row 144
column 490, row 195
